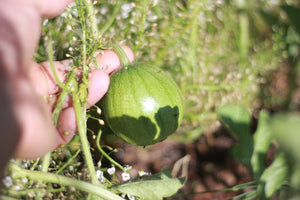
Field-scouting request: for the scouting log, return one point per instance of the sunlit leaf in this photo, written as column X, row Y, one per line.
column 262, row 141
column 286, row 129
column 152, row 187
column 273, row 177
column 237, row 120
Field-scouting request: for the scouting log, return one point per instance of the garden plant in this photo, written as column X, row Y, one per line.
column 200, row 67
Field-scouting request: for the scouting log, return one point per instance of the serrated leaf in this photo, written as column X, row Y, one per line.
column 237, row 120
column 262, row 140
column 273, row 177
column 152, row 187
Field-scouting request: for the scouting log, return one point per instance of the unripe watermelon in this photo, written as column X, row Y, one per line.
column 143, row 104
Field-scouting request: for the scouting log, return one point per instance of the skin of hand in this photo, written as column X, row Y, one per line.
column 26, row 125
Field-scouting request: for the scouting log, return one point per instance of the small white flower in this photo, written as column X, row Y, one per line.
column 143, row 173
column 127, row 168
column 17, row 188
column 25, row 165
column 7, row 181
column 125, row 176
column 103, row 11
column 130, row 197
column 71, row 168
column 126, row 8
column 111, row 170
column 45, row 22
column 25, row 180
column 154, row 2
column 99, row 175
column 99, row 111
column 101, row 122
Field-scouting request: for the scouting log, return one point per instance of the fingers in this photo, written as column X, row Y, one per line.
column 38, row 135
column 99, row 82
column 52, row 8
column 67, row 125
column 110, row 61
column 43, row 78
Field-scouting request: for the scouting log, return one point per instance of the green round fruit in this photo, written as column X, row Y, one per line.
column 143, row 104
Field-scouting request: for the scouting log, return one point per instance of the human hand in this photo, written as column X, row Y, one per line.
column 26, row 125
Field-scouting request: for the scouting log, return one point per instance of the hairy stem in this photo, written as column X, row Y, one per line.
column 92, row 18
column 125, row 62
column 105, row 154
column 81, row 123
column 18, row 172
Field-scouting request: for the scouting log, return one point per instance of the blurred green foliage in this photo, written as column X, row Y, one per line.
column 219, row 52
column 279, row 179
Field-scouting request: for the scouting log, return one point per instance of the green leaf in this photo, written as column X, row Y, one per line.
column 237, row 120
column 152, row 187
column 273, row 177
column 293, row 14
column 286, row 129
column 269, row 17
column 262, row 141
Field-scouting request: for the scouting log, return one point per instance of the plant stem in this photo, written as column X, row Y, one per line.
column 55, row 115
column 58, row 107
column 112, row 18
column 244, row 34
column 193, row 42
column 69, row 161
column 79, row 105
column 92, row 18
column 81, row 123
column 104, row 153
column 7, row 198
column 61, row 98
column 125, row 62
column 83, row 27
column 142, row 24
column 244, row 29
column 18, row 172
column 52, row 64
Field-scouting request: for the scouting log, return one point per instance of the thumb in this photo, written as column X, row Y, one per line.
column 52, row 8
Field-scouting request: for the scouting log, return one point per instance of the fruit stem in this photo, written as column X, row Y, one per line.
column 125, row 62
column 105, row 154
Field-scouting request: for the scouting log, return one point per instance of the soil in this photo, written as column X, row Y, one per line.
column 206, row 164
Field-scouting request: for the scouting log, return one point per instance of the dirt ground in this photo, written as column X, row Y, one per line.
column 206, row 164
